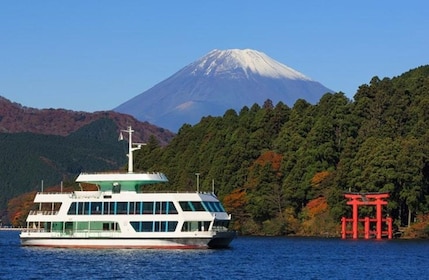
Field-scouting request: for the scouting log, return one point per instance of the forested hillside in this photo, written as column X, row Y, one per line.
column 283, row 170
column 28, row 158
column 54, row 145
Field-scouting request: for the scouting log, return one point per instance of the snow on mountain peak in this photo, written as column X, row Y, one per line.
column 223, row 61
column 219, row 81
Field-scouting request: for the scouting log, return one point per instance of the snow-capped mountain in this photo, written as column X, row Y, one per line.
column 221, row 80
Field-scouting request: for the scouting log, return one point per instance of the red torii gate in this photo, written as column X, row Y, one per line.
column 359, row 199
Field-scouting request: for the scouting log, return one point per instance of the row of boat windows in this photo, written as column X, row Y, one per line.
column 118, row 208
column 211, row 206
column 170, row 226
column 139, row 207
column 139, row 226
column 154, row 226
column 70, row 227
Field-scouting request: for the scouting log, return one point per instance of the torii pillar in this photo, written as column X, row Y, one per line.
column 359, row 199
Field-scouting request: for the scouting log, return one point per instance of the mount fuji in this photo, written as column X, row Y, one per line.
column 221, row 80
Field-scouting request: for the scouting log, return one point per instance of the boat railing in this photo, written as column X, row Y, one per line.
column 43, row 212
column 54, row 193
column 178, row 191
column 124, row 172
column 29, row 229
column 86, row 194
column 73, row 233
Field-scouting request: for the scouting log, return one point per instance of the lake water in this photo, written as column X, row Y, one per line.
column 248, row 258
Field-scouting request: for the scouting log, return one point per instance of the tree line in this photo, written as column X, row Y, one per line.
column 284, row 170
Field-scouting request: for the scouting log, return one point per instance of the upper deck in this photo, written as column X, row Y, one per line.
column 123, row 181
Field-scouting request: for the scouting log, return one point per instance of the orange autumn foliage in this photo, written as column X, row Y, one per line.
column 19, row 207
column 419, row 229
column 316, row 206
column 235, row 200
column 317, row 221
column 319, row 177
column 270, row 157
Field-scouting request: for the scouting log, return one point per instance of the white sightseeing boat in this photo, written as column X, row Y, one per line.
column 120, row 215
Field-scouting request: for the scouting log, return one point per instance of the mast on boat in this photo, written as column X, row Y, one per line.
column 131, row 148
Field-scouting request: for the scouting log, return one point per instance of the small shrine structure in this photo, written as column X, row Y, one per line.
column 366, row 199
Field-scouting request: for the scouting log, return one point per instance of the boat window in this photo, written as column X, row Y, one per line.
column 80, row 206
column 139, row 207
column 154, row 226
column 220, row 206
column 109, row 208
column 57, row 226
column 171, row 226
column 72, row 209
column 196, row 226
column 96, row 208
column 68, row 227
column 87, row 208
column 171, row 209
column 221, row 224
column 147, row 226
column 157, row 226
column 198, row 206
column 158, row 207
column 192, row 206
column 214, row 206
column 122, row 208
column 165, row 207
column 209, row 206
column 111, row 226
column 135, row 207
column 147, row 207
column 132, row 208
column 185, row 205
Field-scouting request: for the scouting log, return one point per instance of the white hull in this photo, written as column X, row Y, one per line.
column 218, row 241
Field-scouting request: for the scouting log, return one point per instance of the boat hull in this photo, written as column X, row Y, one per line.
column 220, row 240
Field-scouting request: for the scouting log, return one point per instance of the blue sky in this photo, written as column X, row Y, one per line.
column 94, row 55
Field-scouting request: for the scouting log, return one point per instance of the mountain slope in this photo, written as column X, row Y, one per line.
column 15, row 118
column 219, row 81
column 55, row 145
column 27, row 158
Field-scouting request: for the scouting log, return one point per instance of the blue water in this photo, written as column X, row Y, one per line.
column 249, row 258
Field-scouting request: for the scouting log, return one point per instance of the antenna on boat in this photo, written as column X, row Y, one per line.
column 130, row 147
column 198, row 181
